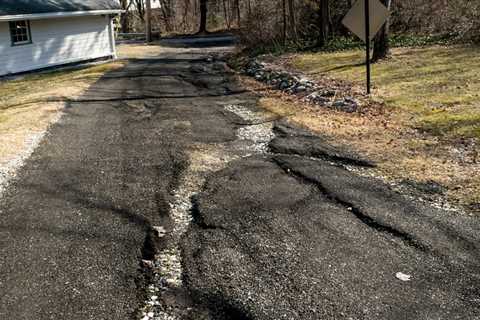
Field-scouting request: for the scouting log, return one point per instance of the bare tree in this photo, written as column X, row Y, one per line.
column 236, row 4
column 284, row 16
column 148, row 20
column 203, row 16
column 225, row 13
column 293, row 20
column 125, row 18
column 186, row 10
column 166, row 8
column 140, row 6
column 307, row 22
column 325, row 22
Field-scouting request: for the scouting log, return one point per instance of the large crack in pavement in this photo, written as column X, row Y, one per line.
column 280, row 224
column 167, row 297
column 111, row 186
column 298, row 234
column 363, row 217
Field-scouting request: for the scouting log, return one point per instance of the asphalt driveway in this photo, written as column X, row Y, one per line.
column 165, row 193
column 78, row 218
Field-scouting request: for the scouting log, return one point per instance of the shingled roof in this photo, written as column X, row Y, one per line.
column 25, row 7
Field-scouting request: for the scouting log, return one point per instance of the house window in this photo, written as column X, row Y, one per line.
column 20, row 32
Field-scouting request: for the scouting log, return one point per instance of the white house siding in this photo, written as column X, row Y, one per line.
column 57, row 41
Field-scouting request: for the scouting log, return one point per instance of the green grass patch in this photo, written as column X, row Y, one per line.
column 438, row 84
column 463, row 124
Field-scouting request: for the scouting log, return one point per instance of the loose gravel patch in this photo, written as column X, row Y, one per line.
column 259, row 134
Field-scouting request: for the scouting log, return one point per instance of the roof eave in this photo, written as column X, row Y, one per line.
column 53, row 15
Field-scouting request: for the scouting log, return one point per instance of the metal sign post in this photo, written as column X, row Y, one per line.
column 367, row 39
column 365, row 19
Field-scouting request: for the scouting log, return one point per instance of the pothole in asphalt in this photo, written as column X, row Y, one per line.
column 203, row 160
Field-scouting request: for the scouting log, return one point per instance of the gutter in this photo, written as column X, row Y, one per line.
column 53, row 15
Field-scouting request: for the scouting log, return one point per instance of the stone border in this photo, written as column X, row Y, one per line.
column 300, row 86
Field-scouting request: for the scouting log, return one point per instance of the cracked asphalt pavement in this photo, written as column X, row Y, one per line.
column 289, row 236
column 293, row 233
column 78, row 218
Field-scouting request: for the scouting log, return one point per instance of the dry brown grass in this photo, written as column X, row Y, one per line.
column 139, row 50
column 152, row 50
column 19, row 124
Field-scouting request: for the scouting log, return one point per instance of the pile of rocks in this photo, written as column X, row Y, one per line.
column 300, row 86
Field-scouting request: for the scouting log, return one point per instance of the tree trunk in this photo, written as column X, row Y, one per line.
column 185, row 15
column 124, row 18
column 293, row 22
column 381, row 47
column 167, row 14
column 225, row 14
column 237, row 9
column 124, row 22
column 203, row 16
column 284, row 13
column 148, row 20
column 140, row 10
column 324, row 23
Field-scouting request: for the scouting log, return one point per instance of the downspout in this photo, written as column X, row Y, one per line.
column 111, row 33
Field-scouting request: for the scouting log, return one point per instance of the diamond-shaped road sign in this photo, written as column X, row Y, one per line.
column 355, row 18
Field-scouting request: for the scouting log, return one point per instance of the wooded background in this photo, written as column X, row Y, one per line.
column 302, row 23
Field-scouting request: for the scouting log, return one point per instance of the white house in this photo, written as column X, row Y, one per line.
column 36, row 34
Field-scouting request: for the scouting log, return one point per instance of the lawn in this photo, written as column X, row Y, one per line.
column 439, row 86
